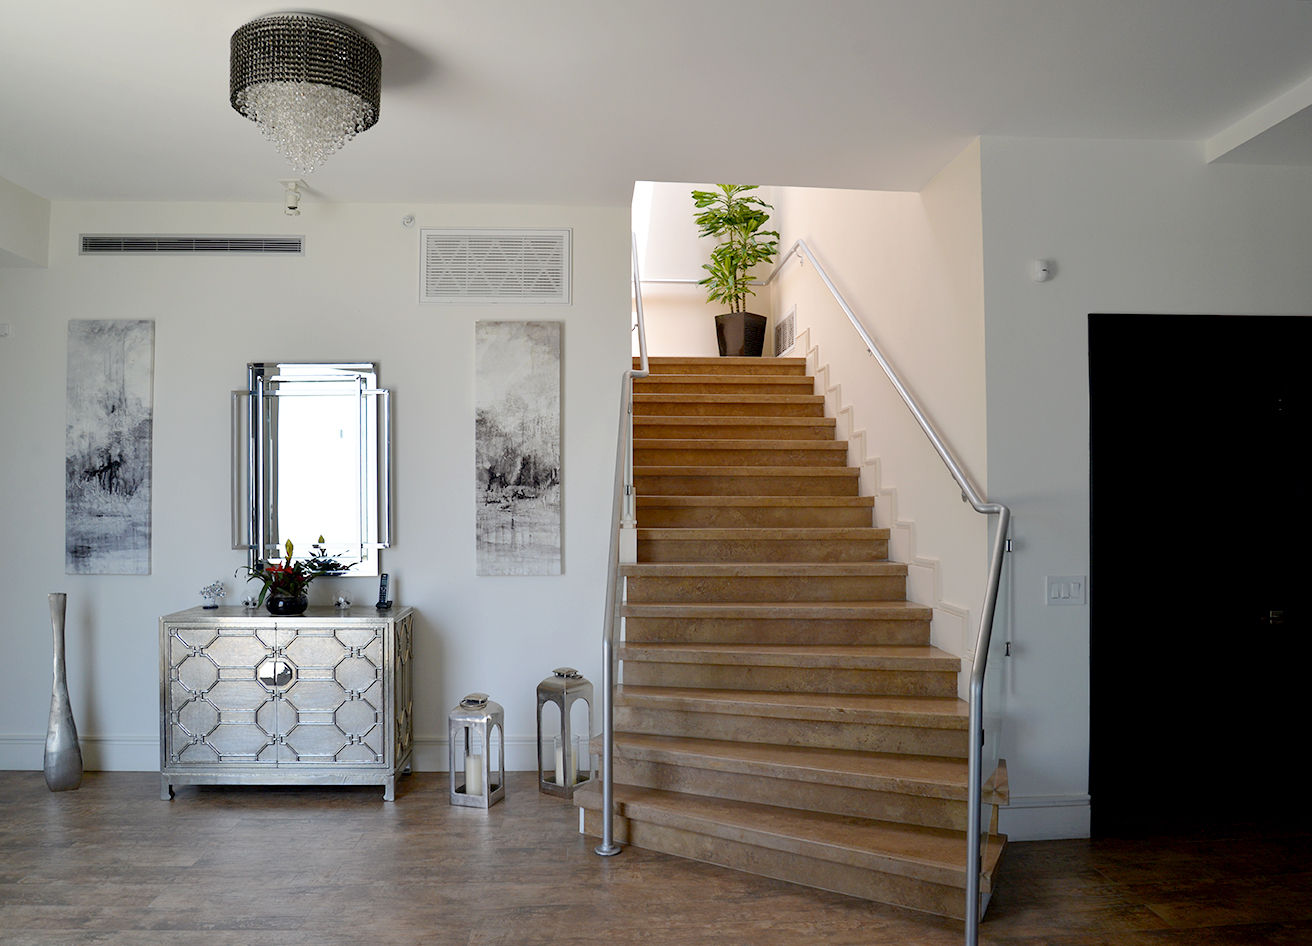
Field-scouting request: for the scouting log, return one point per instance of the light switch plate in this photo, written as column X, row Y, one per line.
column 1064, row 589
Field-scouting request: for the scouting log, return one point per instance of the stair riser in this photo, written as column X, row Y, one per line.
column 753, row 517
column 678, row 484
column 671, row 551
column 692, row 589
column 732, row 367
column 674, row 406
column 781, row 865
column 771, row 788
column 762, row 384
column 826, row 454
column 653, row 429
column 773, row 631
column 791, row 679
column 866, row 737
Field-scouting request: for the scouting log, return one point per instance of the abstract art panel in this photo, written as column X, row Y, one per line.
column 517, row 447
column 107, row 461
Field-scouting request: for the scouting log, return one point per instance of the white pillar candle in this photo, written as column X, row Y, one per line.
column 560, row 762
column 473, row 775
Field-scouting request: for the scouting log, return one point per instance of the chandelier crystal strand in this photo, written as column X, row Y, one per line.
column 306, row 123
column 310, row 83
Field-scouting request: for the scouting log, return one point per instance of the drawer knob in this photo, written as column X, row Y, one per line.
column 274, row 673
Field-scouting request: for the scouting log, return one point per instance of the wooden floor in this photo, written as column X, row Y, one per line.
column 111, row 863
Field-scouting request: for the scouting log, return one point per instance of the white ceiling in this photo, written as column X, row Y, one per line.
column 570, row 101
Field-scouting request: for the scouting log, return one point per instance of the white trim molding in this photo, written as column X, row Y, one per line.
column 26, row 752
column 1045, row 817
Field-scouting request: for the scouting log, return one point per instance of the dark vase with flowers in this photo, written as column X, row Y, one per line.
column 283, row 603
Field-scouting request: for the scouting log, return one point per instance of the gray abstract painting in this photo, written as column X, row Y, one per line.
column 517, row 447
column 107, row 461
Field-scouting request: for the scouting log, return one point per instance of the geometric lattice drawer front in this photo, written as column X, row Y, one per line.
column 215, row 701
column 334, row 706
column 247, row 697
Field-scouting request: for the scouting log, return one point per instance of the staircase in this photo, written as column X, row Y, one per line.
column 782, row 711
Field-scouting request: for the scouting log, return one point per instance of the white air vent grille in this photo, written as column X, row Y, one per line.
column 182, row 244
column 495, row 266
column 785, row 331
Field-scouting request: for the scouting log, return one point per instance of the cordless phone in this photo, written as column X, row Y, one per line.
column 384, row 602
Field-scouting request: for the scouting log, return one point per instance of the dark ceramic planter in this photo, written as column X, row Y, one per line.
column 740, row 333
column 284, row 605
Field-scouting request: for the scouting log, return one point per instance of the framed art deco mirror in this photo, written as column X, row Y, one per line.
column 311, row 457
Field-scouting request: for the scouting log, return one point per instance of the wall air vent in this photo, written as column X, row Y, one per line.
column 495, row 266
column 785, row 332
column 99, row 244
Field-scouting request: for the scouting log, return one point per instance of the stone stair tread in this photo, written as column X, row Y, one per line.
column 934, row 855
column 668, row 377
column 933, row 712
column 756, row 471
column 908, row 657
column 925, row 776
column 783, row 502
column 765, row 533
column 675, row 420
column 785, row 610
column 676, row 397
column 722, row 361
column 683, row 443
column 762, row 569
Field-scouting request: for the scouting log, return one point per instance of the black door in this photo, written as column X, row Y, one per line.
column 1199, row 565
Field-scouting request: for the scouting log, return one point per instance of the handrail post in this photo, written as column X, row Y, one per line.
column 975, row 756
column 622, row 516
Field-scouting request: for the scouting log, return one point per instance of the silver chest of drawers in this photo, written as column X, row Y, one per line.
column 323, row 698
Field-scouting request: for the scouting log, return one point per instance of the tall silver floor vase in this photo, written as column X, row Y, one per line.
column 63, row 755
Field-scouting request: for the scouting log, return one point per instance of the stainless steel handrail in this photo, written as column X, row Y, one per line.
column 972, row 495
column 622, row 513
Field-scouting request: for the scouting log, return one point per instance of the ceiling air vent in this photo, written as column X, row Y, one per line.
column 495, row 266
column 99, row 244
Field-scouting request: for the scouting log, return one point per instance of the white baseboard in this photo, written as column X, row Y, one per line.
column 99, row 753
column 1045, row 817
column 141, row 753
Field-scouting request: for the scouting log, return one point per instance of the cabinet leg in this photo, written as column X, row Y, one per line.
column 165, row 789
column 389, row 790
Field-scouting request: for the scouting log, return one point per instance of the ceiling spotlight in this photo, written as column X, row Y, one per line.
column 311, row 83
column 291, row 198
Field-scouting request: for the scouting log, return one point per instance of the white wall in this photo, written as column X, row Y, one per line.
column 1133, row 227
column 352, row 297
column 910, row 266
column 24, row 226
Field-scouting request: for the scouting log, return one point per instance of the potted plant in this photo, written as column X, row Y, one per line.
column 286, row 586
column 735, row 218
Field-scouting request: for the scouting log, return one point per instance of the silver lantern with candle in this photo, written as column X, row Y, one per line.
column 477, row 749
column 564, row 757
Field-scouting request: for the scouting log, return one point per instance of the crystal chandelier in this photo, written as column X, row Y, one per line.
column 310, row 83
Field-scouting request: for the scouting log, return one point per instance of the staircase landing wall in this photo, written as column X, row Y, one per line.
column 911, row 266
